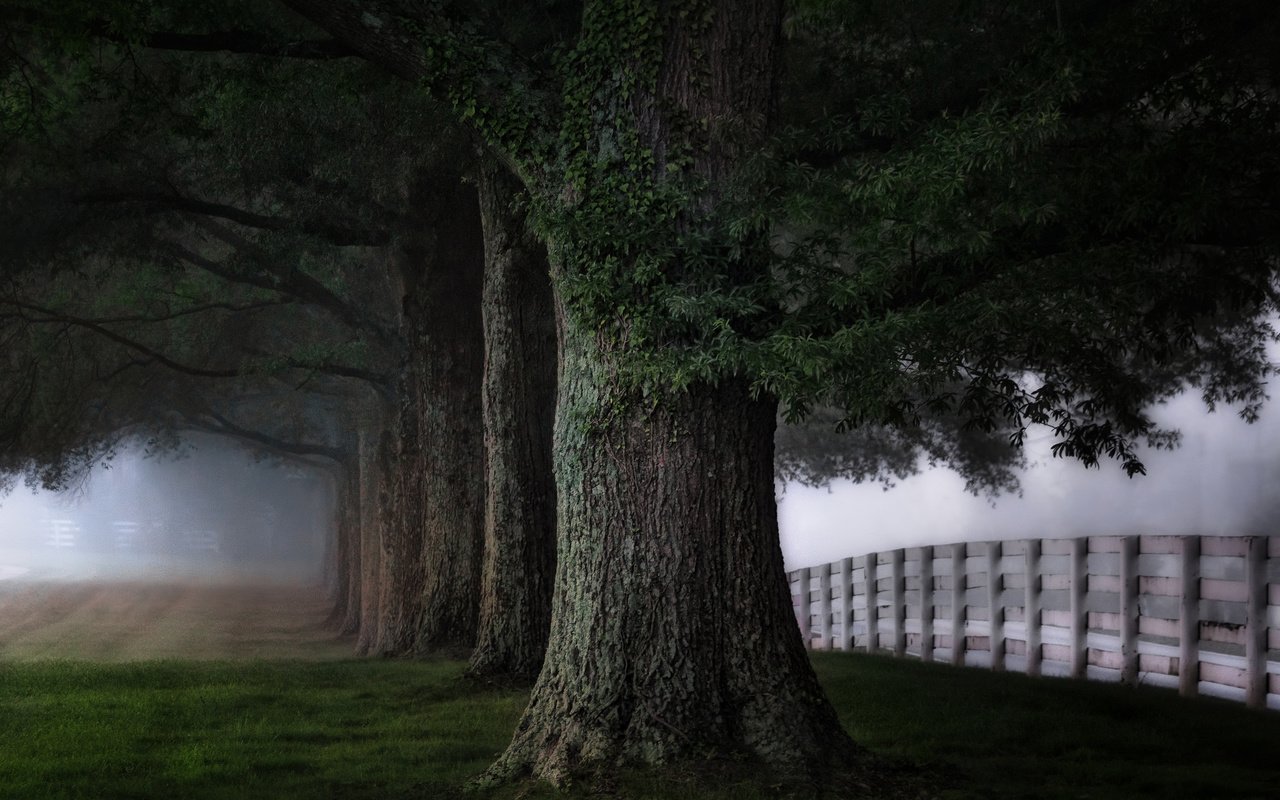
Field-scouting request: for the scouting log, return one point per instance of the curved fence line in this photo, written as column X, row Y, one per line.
column 1199, row 613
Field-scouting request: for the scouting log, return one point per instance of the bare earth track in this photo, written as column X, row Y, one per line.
column 138, row 620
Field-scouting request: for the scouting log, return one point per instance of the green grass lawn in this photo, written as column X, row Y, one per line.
column 395, row 729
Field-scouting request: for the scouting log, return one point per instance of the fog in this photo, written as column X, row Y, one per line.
column 209, row 511
column 213, row 511
column 1223, row 480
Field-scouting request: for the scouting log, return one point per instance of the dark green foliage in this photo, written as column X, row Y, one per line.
column 1014, row 222
column 1005, row 214
column 180, row 227
column 814, row 452
column 1000, row 214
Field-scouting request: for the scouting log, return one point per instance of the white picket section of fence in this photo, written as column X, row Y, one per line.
column 1196, row 613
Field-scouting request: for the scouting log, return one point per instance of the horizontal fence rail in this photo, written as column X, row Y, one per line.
column 1199, row 613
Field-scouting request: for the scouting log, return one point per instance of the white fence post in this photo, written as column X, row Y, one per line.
column 805, row 611
column 1129, row 610
column 1031, row 606
column 896, row 559
column 957, row 603
column 995, row 606
column 1221, row 589
column 873, row 619
column 846, row 604
column 1189, row 619
column 1079, row 614
column 926, row 603
column 1255, row 634
column 824, row 606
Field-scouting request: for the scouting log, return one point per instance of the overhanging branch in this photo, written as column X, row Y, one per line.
column 225, row 41
column 488, row 85
column 53, row 316
column 292, row 282
column 156, row 202
column 217, row 423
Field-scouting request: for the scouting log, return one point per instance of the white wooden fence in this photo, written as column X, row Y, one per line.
column 1200, row 613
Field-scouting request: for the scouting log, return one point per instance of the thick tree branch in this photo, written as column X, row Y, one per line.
column 377, row 380
column 246, row 42
column 217, row 423
column 53, row 316
column 157, row 202
column 186, row 312
column 226, row 41
column 292, row 282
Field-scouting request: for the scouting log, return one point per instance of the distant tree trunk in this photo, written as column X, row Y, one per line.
column 400, row 584
column 373, row 464
column 432, row 553
column 519, row 409
column 345, row 616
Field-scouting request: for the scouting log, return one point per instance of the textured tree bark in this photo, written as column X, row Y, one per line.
column 400, row 584
column 433, row 537
column 672, row 632
column 451, row 431
column 372, row 472
column 346, row 610
column 519, row 408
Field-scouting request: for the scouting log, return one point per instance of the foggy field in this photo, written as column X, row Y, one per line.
column 283, row 714
column 136, row 620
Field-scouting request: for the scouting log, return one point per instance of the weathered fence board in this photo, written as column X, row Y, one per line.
column 1198, row 613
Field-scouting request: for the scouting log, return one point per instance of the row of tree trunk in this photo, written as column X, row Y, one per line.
column 666, row 632
column 446, row 534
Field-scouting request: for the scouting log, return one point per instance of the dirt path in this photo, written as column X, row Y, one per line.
column 131, row 621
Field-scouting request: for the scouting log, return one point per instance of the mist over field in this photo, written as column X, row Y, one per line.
column 214, row 512
column 1224, row 480
column 208, row 512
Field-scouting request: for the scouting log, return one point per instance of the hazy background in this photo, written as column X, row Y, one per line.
column 209, row 511
column 1222, row 480
column 213, row 511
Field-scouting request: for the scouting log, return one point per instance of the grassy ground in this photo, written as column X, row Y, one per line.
column 392, row 729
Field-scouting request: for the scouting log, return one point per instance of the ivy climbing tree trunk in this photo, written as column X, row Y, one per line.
column 519, row 405
column 672, row 630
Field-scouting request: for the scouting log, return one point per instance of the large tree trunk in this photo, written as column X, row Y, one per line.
column 519, row 405
column 433, row 540
column 672, row 631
